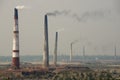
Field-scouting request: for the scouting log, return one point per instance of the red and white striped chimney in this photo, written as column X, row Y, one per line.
column 15, row 53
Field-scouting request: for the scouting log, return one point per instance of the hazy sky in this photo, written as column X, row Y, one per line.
column 95, row 23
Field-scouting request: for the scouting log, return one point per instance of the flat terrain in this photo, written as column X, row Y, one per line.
column 65, row 71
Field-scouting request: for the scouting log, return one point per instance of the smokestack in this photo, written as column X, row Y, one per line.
column 15, row 54
column 71, row 53
column 55, row 51
column 71, row 46
column 84, row 53
column 115, row 56
column 46, row 46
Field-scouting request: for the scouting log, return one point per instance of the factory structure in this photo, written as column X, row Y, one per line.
column 15, row 53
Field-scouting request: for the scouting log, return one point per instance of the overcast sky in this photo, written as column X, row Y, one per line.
column 95, row 23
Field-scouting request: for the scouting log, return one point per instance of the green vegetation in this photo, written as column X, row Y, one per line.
column 74, row 75
column 64, row 74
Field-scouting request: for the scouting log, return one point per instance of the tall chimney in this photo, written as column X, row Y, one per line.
column 71, row 49
column 55, row 51
column 115, row 56
column 71, row 53
column 83, row 53
column 15, row 54
column 46, row 45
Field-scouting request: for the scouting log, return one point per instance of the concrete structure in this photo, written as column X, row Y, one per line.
column 84, row 53
column 71, row 52
column 15, row 54
column 55, row 50
column 115, row 56
column 46, row 45
column 71, row 49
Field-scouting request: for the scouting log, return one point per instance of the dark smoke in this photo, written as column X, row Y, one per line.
column 84, row 17
column 90, row 15
column 56, row 13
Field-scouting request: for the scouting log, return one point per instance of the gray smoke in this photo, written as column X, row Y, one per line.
column 90, row 15
column 56, row 13
column 83, row 17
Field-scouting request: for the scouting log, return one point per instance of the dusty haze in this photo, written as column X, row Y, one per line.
column 95, row 23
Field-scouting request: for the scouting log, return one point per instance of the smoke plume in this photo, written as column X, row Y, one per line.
column 90, row 15
column 20, row 7
column 56, row 13
column 83, row 17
